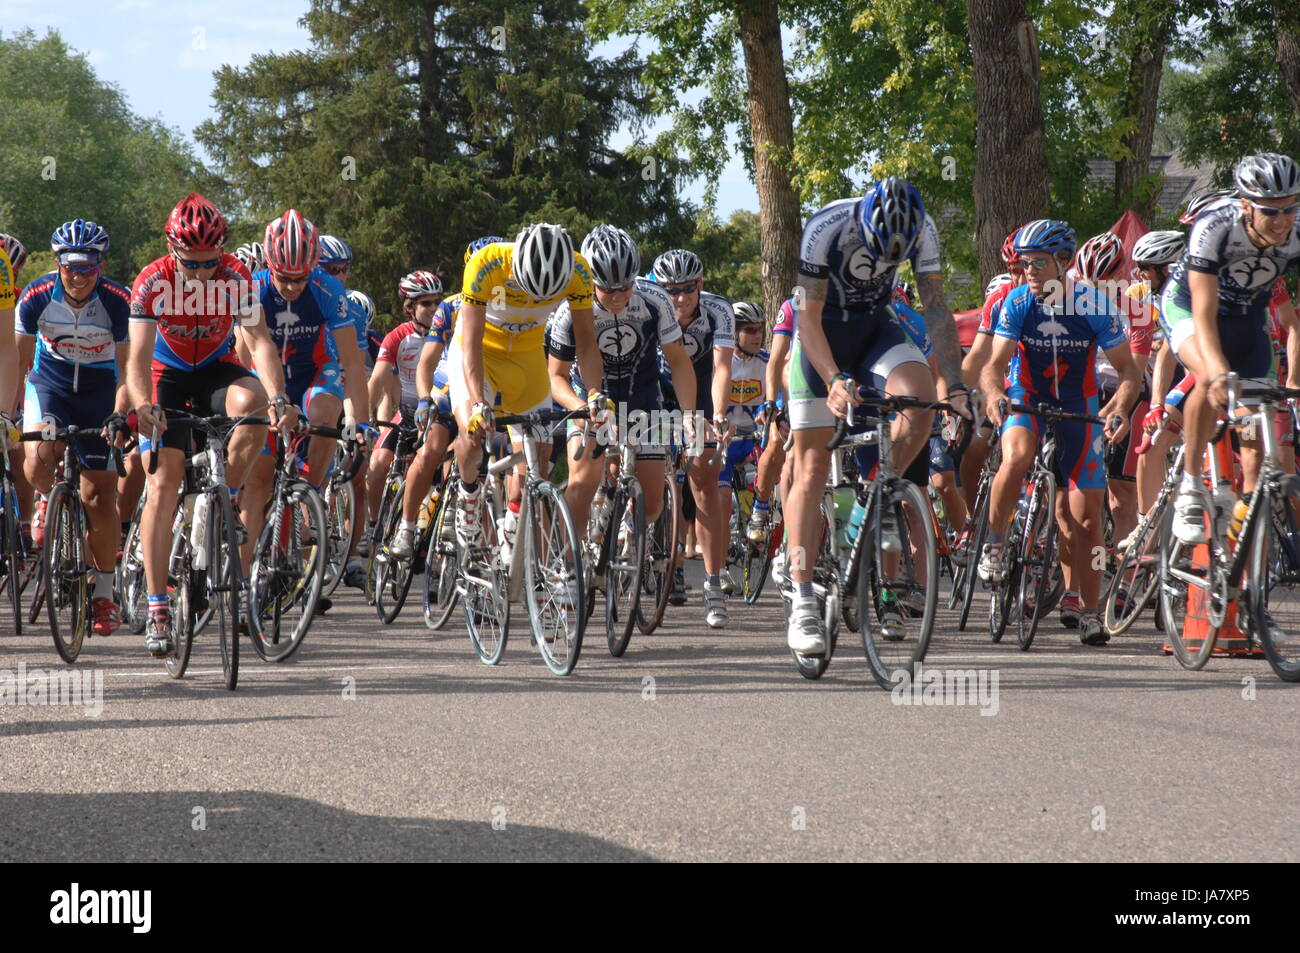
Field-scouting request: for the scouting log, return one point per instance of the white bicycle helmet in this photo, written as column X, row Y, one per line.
column 996, row 283
column 1267, row 176
column 677, row 267
column 362, row 300
column 1159, row 248
column 418, row 284
column 543, row 260
column 613, row 256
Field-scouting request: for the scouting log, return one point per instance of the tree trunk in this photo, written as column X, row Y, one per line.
column 771, row 125
column 1150, row 37
column 1288, row 52
column 1009, row 122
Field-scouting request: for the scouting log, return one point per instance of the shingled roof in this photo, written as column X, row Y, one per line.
column 1181, row 181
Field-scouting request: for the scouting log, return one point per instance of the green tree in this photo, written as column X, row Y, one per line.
column 730, row 252
column 411, row 128
column 71, row 148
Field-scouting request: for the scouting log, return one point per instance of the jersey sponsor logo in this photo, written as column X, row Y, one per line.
column 746, row 391
column 693, row 342
column 79, row 349
column 1251, row 273
column 619, row 341
column 863, row 271
column 514, row 327
column 195, row 330
column 286, row 319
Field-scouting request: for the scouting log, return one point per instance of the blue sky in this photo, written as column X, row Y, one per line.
column 163, row 54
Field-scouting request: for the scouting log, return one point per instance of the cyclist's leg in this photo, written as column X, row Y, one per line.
column 1081, row 471
column 423, row 470
column 1019, row 444
column 129, row 489
column 584, row 477
column 323, row 403
column 237, row 393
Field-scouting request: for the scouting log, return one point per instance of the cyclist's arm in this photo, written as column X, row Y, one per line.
column 775, row 365
column 591, row 366
column 430, row 357
column 812, row 337
column 139, row 380
column 993, row 376
column 265, row 356
column 26, row 354
column 940, row 325
column 1162, row 375
column 9, row 375
column 1286, row 314
column 354, row 373
column 385, row 389
column 974, row 362
column 1126, row 395
column 562, row 391
column 683, row 375
column 472, row 319
column 122, row 399
column 241, row 347
column 721, row 380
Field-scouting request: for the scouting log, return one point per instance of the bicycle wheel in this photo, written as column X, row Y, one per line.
column 625, row 566
column 440, row 590
column 390, row 506
column 1137, row 577
column 288, row 572
column 1189, row 578
column 553, row 578
column 11, row 545
column 341, row 510
column 67, row 598
column 223, row 579
column 393, row 576
column 133, row 593
column 1274, row 592
column 485, row 585
column 898, row 584
column 975, row 547
column 758, row 558
column 661, row 553
column 180, row 581
column 826, row 583
column 1038, row 558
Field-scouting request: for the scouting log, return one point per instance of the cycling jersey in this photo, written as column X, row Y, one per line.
column 858, row 286
column 748, row 372
column 1218, row 245
column 76, row 348
column 789, row 320
column 713, row 326
column 304, row 330
column 514, row 328
column 7, row 290
column 195, row 320
column 443, row 326
column 913, row 323
column 401, row 348
column 992, row 308
column 627, row 340
column 1056, row 356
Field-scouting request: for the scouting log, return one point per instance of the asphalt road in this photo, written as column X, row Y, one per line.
column 395, row 743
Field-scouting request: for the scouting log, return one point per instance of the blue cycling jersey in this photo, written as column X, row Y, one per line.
column 304, row 330
column 76, row 348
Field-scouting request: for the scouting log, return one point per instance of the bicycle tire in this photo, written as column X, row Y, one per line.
column 758, row 560
column 133, row 593
column 440, row 590
column 287, row 576
column 224, row 579
column 889, row 655
column 393, row 577
column 1137, row 575
column 1274, row 601
column 385, row 521
column 1037, row 559
column 661, row 558
column 341, row 513
column 553, row 563
column 825, row 576
column 12, row 543
column 179, row 577
column 624, row 567
column 1179, row 600
column 65, row 573
column 484, row 584
column 975, row 548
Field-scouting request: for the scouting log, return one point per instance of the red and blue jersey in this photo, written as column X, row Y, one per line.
column 303, row 331
column 196, row 320
column 76, row 348
column 1057, row 356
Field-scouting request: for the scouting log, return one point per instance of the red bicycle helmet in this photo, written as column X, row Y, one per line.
column 195, row 225
column 292, row 244
column 1100, row 257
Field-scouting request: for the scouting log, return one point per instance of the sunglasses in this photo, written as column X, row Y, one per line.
column 1035, row 264
column 196, row 265
column 82, row 268
column 290, row 279
column 678, row 290
column 1269, row 211
column 335, row 270
column 618, row 289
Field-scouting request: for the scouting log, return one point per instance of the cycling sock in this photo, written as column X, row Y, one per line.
column 1190, row 482
column 713, row 581
column 408, row 525
column 760, row 505
column 158, row 604
column 806, row 590
column 469, row 489
column 992, row 537
column 103, row 588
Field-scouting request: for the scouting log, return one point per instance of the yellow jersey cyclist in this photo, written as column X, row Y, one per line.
column 1215, row 307
column 508, row 292
column 8, row 351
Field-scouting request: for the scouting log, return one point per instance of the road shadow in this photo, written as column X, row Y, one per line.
column 241, row 826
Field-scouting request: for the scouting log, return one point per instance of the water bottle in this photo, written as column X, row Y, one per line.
column 1239, row 512
column 845, row 497
column 199, row 531
column 598, row 506
column 507, row 528
column 856, row 516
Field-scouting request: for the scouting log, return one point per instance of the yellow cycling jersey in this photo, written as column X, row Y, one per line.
column 515, row 319
column 8, row 293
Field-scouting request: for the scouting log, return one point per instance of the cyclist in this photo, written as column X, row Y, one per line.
column 632, row 316
column 748, row 395
column 1052, row 327
column 850, row 253
column 708, row 334
column 313, row 331
column 72, row 337
column 1215, row 306
column 183, row 311
column 772, row 463
column 253, row 256
column 393, row 386
column 9, row 376
column 508, row 292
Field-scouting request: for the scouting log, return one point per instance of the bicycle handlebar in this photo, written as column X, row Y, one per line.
column 898, row 403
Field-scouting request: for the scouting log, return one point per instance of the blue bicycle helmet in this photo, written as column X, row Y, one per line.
column 478, row 243
column 334, row 251
column 889, row 219
column 86, row 241
column 1047, row 234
